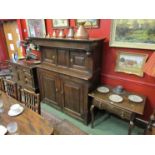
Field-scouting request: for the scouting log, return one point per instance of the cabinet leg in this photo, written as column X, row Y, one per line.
column 92, row 116
column 131, row 124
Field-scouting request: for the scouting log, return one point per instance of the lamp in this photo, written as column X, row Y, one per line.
column 149, row 67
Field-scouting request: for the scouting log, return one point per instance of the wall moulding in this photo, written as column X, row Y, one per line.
column 103, row 76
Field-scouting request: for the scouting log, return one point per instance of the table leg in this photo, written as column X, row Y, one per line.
column 92, row 115
column 131, row 124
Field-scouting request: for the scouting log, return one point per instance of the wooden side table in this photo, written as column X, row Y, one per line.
column 126, row 109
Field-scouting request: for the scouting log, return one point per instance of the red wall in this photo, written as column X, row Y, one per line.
column 142, row 85
column 3, row 47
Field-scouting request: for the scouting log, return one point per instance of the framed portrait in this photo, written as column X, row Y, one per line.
column 89, row 23
column 133, row 33
column 60, row 23
column 36, row 27
column 131, row 63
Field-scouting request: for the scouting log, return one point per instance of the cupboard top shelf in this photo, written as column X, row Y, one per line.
column 90, row 40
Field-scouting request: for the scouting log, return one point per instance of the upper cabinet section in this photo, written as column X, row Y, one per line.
column 71, row 56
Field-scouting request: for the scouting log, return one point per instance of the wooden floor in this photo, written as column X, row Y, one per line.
column 62, row 126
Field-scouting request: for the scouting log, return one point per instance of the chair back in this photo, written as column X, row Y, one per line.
column 11, row 88
column 2, row 87
column 31, row 100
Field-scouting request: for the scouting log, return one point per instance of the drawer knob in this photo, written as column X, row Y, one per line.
column 88, row 53
column 26, row 80
column 71, row 60
column 122, row 115
column 53, row 57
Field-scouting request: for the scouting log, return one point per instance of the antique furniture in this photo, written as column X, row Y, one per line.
column 24, row 74
column 11, row 88
column 125, row 109
column 70, row 68
column 150, row 129
column 31, row 100
column 2, row 87
column 29, row 122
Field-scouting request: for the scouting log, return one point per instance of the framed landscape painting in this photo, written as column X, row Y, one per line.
column 89, row 23
column 131, row 63
column 36, row 27
column 133, row 33
column 60, row 23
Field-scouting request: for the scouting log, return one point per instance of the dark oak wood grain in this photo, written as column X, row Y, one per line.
column 69, row 69
column 2, row 84
column 11, row 88
column 125, row 109
column 24, row 74
column 29, row 122
column 31, row 100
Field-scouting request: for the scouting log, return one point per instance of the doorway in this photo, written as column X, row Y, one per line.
column 12, row 38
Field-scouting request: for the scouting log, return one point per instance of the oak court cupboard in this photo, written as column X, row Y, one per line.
column 69, row 70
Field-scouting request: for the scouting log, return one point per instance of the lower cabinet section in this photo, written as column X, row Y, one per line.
column 64, row 92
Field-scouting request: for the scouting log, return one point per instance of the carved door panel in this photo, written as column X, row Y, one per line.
column 72, row 97
column 63, row 56
column 50, row 88
column 49, row 56
column 80, row 60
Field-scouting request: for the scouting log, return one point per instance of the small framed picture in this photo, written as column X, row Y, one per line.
column 89, row 23
column 131, row 63
column 36, row 27
column 60, row 23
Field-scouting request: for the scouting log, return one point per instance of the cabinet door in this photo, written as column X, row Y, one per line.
column 49, row 56
column 80, row 60
column 73, row 97
column 49, row 87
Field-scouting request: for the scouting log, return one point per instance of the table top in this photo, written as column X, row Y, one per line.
column 126, row 104
column 29, row 122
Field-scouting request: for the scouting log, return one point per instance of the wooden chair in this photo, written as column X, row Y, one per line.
column 11, row 88
column 150, row 130
column 31, row 100
column 2, row 87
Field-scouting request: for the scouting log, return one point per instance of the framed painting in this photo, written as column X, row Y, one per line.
column 131, row 63
column 60, row 23
column 89, row 23
column 133, row 33
column 36, row 27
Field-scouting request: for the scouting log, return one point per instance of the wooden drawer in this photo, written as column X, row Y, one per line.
column 112, row 109
column 26, row 71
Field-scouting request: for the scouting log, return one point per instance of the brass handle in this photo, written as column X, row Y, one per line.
column 53, row 57
column 122, row 114
column 71, row 60
column 88, row 53
column 26, row 80
column 56, row 90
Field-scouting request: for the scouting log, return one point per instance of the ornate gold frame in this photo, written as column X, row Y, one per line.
column 116, row 43
column 133, row 63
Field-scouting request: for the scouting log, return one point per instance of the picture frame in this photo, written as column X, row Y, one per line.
column 36, row 27
column 133, row 33
column 89, row 23
column 60, row 23
column 131, row 63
